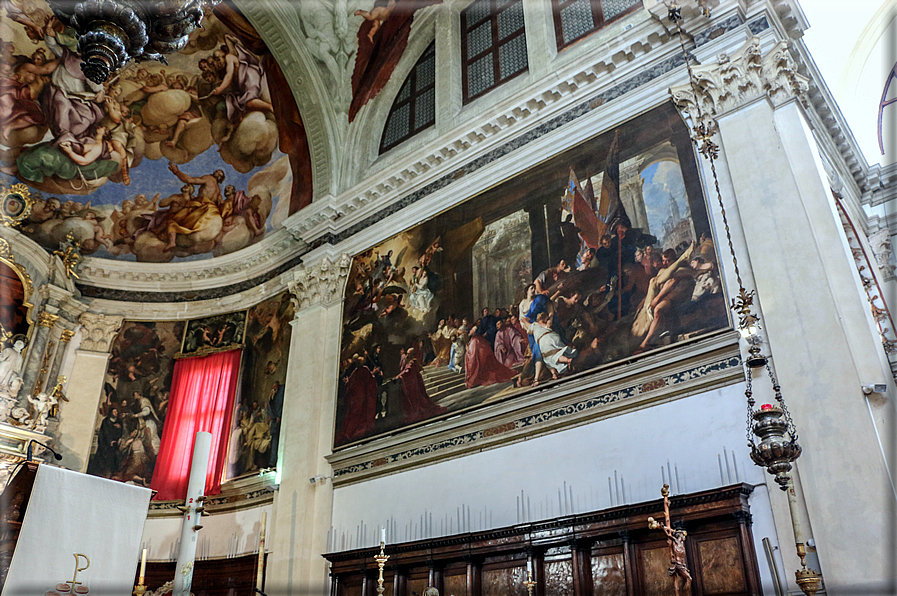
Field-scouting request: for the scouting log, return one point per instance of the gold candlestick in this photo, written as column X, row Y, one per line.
column 381, row 562
column 529, row 583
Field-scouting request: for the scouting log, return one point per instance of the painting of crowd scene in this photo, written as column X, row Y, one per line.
column 255, row 428
column 197, row 158
column 134, row 401
column 601, row 253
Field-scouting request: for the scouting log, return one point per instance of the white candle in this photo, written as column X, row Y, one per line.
column 142, row 567
column 382, row 535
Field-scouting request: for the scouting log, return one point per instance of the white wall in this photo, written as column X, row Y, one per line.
column 590, row 462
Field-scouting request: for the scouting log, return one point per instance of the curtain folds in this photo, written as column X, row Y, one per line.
column 202, row 399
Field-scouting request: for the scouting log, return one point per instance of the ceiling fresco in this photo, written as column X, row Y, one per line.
column 194, row 159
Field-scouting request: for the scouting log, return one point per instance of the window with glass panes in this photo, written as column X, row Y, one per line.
column 493, row 45
column 415, row 106
column 574, row 19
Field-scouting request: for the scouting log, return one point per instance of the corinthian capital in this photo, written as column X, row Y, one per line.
column 320, row 283
column 99, row 331
column 738, row 78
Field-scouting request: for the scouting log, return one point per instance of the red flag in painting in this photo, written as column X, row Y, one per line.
column 590, row 227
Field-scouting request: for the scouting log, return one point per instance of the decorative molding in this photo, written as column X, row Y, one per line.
column 99, row 331
column 320, row 283
column 737, row 79
column 239, row 493
column 676, row 372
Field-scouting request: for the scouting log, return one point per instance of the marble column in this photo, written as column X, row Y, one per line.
column 816, row 319
column 302, row 512
column 84, row 388
column 45, row 322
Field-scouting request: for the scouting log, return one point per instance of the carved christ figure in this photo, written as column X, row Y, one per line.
column 676, row 540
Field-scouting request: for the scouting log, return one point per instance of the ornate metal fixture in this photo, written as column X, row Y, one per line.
column 777, row 447
column 113, row 32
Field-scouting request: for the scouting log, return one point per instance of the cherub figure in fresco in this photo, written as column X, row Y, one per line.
column 377, row 16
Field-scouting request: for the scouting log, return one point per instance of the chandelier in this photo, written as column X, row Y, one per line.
column 113, row 32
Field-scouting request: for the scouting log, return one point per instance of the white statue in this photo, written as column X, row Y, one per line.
column 42, row 405
column 10, row 362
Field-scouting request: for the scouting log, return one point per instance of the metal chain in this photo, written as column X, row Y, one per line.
column 792, row 432
column 749, row 394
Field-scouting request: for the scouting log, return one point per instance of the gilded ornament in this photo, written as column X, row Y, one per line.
column 69, row 254
column 15, row 205
column 45, row 319
column 66, row 336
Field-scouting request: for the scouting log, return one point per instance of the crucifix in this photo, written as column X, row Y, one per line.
column 676, row 540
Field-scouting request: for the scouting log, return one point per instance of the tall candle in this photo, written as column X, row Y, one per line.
column 261, row 562
column 142, row 567
column 382, row 535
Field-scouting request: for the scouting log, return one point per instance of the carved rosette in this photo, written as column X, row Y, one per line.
column 99, row 331
column 738, row 78
column 320, row 283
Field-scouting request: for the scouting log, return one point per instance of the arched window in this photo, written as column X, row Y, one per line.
column 493, row 45
column 415, row 106
column 575, row 19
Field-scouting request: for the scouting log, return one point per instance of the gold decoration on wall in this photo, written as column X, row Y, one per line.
column 66, row 336
column 15, row 205
column 45, row 368
column 45, row 319
column 70, row 255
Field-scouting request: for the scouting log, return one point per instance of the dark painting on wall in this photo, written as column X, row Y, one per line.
column 600, row 253
column 217, row 333
column 255, row 428
column 134, row 401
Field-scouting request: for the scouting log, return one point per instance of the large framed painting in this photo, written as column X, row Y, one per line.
column 258, row 410
column 196, row 158
column 218, row 333
column 600, row 253
column 135, row 401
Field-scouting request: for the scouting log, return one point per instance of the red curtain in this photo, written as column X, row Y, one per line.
column 202, row 399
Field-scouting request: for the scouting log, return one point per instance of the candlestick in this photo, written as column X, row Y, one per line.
column 529, row 583
column 381, row 562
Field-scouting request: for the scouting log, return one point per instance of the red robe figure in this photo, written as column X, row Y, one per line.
column 480, row 365
column 361, row 405
column 416, row 404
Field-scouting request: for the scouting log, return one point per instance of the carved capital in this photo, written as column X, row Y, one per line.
column 99, row 331
column 320, row 283
column 880, row 242
column 738, row 78
column 45, row 319
column 66, row 336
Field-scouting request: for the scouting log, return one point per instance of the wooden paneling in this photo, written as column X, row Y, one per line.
column 603, row 553
column 455, row 585
column 608, row 575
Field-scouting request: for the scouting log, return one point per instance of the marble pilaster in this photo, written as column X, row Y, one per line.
column 302, row 513
column 84, row 388
column 810, row 297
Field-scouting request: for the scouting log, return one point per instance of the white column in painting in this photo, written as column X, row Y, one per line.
column 85, row 387
column 816, row 320
column 196, row 488
column 302, row 511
